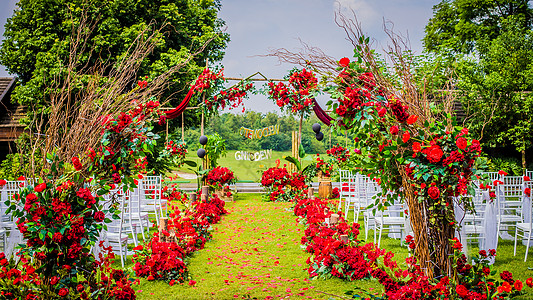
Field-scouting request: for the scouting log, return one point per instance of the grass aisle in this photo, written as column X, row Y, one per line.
column 255, row 253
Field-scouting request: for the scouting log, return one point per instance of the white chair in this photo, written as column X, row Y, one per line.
column 524, row 228
column 134, row 214
column 352, row 200
column 344, row 192
column 3, row 231
column 508, row 196
column 371, row 191
column 472, row 223
column 151, row 200
column 393, row 218
column 116, row 234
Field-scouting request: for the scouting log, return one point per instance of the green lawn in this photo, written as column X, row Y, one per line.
column 248, row 170
column 256, row 253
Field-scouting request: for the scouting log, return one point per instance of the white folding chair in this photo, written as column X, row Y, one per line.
column 344, row 192
column 524, row 228
column 134, row 214
column 3, row 231
column 393, row 218
column 509, row 205
column 116, row 234
column 151, row 200
column 371, row 191
column 352, row 199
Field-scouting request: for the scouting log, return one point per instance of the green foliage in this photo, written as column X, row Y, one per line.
column 12, row 167
column 37, row 40
column 495, row 80
column 215, row 149
column 508, row 164
column 457, row 25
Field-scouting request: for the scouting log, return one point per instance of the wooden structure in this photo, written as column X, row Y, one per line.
column 10, row 114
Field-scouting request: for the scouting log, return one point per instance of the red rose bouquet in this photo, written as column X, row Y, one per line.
column 218, row 177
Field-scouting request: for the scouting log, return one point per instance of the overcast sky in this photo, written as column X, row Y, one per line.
column 255, row 26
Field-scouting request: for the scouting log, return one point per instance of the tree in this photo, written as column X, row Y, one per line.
column 499, row 84
column 38, row 40
column 458, row 25
column 491, row 43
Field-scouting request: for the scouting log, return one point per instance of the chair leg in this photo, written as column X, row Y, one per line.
column 375, row 230
column 527, row 248
column 380, row 231
column 515, row 240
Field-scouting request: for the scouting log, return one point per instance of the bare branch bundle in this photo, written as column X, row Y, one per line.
column 81, row 97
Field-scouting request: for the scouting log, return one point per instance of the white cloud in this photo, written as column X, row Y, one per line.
column 367, row 14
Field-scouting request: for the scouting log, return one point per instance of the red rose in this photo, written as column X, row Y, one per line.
column 417, row 147
column 526, row 178
column 527, row 191
column 506, row 287
column 503, row 173
column 518, row 285
column 54, row 280
column 461, row 143
column 406, row 136
column 461, row 290
column 57, row 237
column 394, row 130
column 341, row 110
column 412, row 119
column 40, row 187
column 21, row 178
column 77, row 164
column 138, row 248
column 382, row 112
column 344, row 62
column 192, row 283
column 63, row 292
column 433, row 153
column 99, row 216
column 433, row 192
column 2, row 182
column 529, row 282
column 457, row 245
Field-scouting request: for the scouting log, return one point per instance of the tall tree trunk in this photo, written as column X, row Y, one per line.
column 432, row 233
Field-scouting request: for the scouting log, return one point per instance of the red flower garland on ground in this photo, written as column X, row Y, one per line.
column 162, row 258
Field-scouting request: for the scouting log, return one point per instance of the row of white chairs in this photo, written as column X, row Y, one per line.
column 511, row 209
column 359, row 193
column 136, row 209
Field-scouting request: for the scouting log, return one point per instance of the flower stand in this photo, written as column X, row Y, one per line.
column 324, row 187
column 222, row 195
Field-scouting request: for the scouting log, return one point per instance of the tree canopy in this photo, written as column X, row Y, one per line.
column 490, row 44
column 38, row 39
column 457, row 25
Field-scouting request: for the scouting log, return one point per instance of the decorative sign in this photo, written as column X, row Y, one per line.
column 253, row 156
column 259, row 133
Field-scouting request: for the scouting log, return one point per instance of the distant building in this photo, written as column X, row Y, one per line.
column 10, row 114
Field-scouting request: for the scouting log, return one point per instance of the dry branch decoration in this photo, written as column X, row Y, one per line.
column 414, row 148
column 82, row 96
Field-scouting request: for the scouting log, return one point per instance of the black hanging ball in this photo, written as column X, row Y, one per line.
column 320, row 136
column 200, row 153
column 203, row 140
column 316, row 128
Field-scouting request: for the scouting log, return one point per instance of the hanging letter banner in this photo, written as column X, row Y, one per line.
column 259, row 133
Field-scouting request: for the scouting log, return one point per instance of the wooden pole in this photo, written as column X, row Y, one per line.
column 182, row 128
column 166, row 138
column 202, row 125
